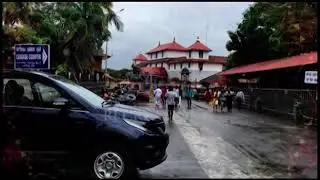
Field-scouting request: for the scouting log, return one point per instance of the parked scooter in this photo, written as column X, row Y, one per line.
column 128, row 99
column 124, row 98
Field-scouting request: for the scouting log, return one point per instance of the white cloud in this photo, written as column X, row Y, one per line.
column 147, row 23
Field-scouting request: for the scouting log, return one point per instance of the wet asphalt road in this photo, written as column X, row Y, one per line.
column 211, row 144
column 207, row 144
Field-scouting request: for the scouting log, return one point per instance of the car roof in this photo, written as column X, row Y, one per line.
column 48, row 76
column 27, row 72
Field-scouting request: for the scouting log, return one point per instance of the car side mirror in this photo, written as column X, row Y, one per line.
column 60, row 103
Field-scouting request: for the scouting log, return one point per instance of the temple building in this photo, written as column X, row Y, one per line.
column 169, row 59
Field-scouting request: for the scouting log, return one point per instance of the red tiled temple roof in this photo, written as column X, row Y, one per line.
column 140, row 57
column 212, row 60
column 198, row 46
column 154, row 71
column 168, row 46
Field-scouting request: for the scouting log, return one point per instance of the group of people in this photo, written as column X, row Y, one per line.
column 224, row 97
column 171, row 97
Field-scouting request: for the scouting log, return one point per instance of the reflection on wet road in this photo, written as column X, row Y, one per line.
column 238, row 145
column 180, row 162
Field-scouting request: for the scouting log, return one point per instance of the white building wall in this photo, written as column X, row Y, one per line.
column 172, row 54
column 160, row 55
column 212, row 67
column 196, row 74
column 195, row 55
column 167, row 54
column 165, row 65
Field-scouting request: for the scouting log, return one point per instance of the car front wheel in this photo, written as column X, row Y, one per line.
column 113, row 164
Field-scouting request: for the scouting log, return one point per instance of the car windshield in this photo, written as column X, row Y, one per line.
column 86, row 94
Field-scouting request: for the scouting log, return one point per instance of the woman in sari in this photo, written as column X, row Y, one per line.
column 215, row 100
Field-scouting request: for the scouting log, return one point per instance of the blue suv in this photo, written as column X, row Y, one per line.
column 54, row 118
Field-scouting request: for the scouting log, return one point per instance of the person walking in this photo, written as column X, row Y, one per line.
column 229, row 96
column 170, row 99
column 215, row 100
column 240, row 98
column 157, row 97
column 163, row 98
column 176, row 99
column 189, row 96
column 180, row 95
column 222, row 99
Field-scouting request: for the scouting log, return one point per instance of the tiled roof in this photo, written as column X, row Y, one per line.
column 198, row 46
column 299, row 60
column 168, row 46
column 218, row 59
column 140, row 57
column 155, row 71
column 212, row 60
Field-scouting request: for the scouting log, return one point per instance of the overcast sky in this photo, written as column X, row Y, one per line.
column 147, row 23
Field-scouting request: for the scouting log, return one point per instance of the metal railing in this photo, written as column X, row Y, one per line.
column 281, row 101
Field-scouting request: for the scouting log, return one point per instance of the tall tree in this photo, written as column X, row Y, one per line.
column 74, row 30
column 80, row 29
column 273, row 30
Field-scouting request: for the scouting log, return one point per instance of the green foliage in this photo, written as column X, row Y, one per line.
column 120, row 74
column 76, row 27
column 62, row 70
column 273, row 30
column 23, row 34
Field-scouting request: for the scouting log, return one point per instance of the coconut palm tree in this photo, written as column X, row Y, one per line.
column 87, row 25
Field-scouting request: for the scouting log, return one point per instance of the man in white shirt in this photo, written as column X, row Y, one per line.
column 240, row 98
column 157, row 96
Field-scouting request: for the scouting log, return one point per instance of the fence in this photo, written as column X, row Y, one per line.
column 281, row 101
column 86, row 77
column 91, row 81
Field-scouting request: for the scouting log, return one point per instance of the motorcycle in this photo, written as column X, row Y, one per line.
column 122, row 97
column 127, row 99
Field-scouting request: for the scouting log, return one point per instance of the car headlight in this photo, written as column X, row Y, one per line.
column 137, row 124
